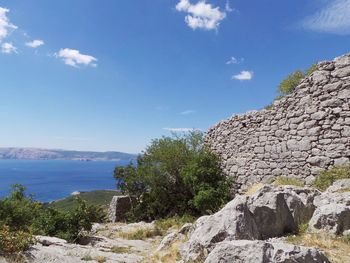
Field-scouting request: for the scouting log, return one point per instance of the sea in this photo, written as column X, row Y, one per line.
column 49, row 180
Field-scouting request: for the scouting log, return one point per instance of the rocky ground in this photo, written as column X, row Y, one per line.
column 270, row 224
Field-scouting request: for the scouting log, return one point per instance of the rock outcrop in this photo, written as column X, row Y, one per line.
column 332, row 214
column 273, row 211
column 301, row 134
column 247, row 251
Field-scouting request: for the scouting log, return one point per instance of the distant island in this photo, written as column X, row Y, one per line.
column 52, row 154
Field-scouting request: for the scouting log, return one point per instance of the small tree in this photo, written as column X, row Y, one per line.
column 175, row 176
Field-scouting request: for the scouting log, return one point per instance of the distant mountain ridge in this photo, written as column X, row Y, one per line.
column 53, row 154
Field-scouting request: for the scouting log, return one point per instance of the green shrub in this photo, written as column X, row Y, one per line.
column 18, row 211
column 288, row 85
column 175, row 176
column 66, row 225
column 12, row 242
column 282, row 180
column 326, row 178
column 21, row 215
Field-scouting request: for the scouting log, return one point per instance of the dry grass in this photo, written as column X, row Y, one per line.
column 100, row 259
column 344, row 190
column 170, row 255
column 254, row 188
column 337, row 249
column 141, row 233
column 282, row 180
column 120, row 250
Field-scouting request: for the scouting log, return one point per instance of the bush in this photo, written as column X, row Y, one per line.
column 288, row 85
column 12, row 242
column 326, row 178
column 18, row 210
column 175, row 176
column 66, row 225
column 20, row 215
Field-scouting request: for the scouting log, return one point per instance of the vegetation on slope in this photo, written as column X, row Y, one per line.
column 326, row 178
column 21, row 217
column 289, row 84
column 176, row 175
column 98, row 197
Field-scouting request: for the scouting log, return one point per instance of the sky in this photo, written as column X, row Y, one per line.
column 113, row 75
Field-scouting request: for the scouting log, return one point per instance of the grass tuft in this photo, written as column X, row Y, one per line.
column 337, row 249
column 100, row 259
column 282, row 180
column 326, row 178
column 173, row 222
column 141, row 233
column 120, row 250
column 87, row 258
column 254, row 188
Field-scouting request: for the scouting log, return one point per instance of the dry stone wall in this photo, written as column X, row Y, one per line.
column 301, row 134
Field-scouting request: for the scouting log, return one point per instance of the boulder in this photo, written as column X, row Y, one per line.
column 273, row 211
column 118, row 208
column 234, row 221
column 333, row 210
column 333, row 218
column 247, row 251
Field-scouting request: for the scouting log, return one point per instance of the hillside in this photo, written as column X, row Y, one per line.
column 98, row 197
column 52, row 154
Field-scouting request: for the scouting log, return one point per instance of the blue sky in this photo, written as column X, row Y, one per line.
column 112, row 75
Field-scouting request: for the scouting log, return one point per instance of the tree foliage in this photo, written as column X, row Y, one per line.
column 21, row 217
column 175, row 176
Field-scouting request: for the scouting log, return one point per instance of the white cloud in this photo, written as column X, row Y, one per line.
column 244, row 75
column 181, row 129
column 187, row 112
column 8, row 48
column 74, row 58
column 5, row 24
column 201, row 15
column 35, row 43
column 333, row 18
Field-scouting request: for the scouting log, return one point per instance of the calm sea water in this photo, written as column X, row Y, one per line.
column 50, row 180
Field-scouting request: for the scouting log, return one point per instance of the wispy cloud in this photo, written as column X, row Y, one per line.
column 228, row 8
column 35, row 43
column 332, row 18
column 8, row 48
column 187, row 112
column 181, row 129
column 5, row 25
column 244, row 75
column 201, row 15
column 234, row 60
column 74, row 58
